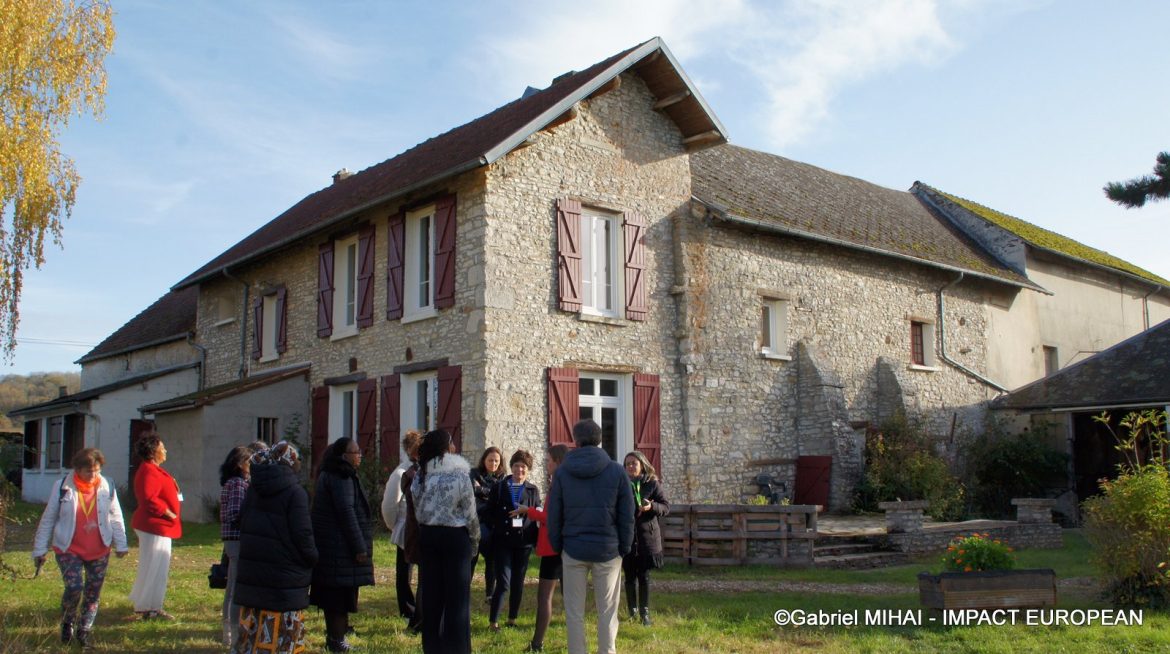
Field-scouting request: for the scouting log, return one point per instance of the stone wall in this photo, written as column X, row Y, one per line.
column 848, row 366
column 618, row 155
column 1048, row 536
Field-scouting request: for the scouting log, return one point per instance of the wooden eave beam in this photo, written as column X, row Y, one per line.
column 671, row 100
column 612, row 85
column 703, row 137
column 563, row 118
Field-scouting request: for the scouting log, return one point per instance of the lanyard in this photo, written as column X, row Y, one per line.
column 517, row 490
column 637, row 485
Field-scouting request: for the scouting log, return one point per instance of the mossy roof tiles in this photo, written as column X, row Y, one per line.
column 804, row 200
column 1045, row 239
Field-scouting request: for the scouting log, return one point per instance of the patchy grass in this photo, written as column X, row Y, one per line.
column 684, row 623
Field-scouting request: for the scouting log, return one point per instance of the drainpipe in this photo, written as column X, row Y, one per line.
column 202, row 357
column 682, row 340
column 942, row 339
column 1146, row 307
column 243, row 325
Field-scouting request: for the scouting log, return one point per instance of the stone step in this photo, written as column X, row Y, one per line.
column 861, row 561
column 837, row 549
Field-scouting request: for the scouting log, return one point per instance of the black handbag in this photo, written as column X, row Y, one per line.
column 217, row 577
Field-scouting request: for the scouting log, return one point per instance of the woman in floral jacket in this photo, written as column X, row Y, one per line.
column 448, row 537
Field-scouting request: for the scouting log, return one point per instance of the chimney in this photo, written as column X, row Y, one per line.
column 341, row 174
column 62, row 391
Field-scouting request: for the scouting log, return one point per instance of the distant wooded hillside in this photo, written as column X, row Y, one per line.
column 22, row 390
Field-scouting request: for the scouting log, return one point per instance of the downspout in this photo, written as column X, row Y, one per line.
column 202, row 358
column 683, row 340
column 242, row 372
column 942, row 339
column 1146, row 307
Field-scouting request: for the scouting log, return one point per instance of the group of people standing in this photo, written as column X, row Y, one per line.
column 286, row 553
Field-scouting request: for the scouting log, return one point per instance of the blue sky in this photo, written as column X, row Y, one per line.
column 220, row 115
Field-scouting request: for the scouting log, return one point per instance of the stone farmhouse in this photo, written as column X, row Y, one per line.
column 597, row 249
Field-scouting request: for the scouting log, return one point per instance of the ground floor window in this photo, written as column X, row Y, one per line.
column 50, row 443
column 342, row 412
column 420, row 401
column 603, row 399
column 266, row 430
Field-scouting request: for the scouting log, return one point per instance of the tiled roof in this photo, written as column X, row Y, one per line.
column 1135, row 372
column 213, row 393
column 1043, row 238
column 98, row 391
column 170, row 318
column 810, row 202
column 466, row 147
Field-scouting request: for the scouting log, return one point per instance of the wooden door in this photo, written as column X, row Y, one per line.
column 812, row 480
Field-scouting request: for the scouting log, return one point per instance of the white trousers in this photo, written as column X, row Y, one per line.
column 606, row 590
column 154, row 567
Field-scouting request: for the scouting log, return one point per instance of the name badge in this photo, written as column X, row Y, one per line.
column 180, row 497
column 517, row 523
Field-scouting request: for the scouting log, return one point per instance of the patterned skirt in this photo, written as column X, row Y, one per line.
column 270, row 632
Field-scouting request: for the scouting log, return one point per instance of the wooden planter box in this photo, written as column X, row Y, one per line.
column 999, row 589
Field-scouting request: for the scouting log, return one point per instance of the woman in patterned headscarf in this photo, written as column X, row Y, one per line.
column 277, row 555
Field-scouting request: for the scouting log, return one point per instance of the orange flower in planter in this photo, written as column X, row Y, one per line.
column 976, row 553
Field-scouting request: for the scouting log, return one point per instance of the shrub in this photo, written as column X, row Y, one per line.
column 1128, row 525
column 900, row 464
column 1004, row 467
column 976, row 553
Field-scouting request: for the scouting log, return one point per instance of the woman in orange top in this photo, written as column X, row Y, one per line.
column 81, row 520
column 156, row 521
column 550, row 559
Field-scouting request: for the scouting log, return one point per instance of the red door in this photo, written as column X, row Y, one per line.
column 812, row 480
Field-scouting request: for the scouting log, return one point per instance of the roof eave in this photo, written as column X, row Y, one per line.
column 323, row 225
column 1081, row 408
column 133, row 348
column 599, row 80
column 726, row 216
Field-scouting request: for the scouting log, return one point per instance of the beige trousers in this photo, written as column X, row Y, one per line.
column 606, row 591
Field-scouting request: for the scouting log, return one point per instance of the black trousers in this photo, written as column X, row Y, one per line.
column 511, row 567
column 445, row 589
column 402, row 574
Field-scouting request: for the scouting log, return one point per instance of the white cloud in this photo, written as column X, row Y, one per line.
column 331, row 55
column 799, row 53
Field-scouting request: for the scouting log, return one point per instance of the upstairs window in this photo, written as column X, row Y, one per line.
column 922, row 344
column 345, row 293
column 270, row 326
column 345, row 285
column 1051, row 360
column 599, row 248
column 420, row 263
column 774, row 328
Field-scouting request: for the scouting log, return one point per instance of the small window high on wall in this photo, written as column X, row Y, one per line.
column 774, row 328
column 1051, row 360
column 922, row 345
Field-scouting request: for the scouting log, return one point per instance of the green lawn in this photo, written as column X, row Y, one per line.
column 706, row 621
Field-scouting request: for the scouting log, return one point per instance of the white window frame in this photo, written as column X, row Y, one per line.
column 343, row 408
column 929, row 360
column 269, row 328
column 345, row 287
column 418, row 287
column 1051, row 359
column 624, row 441
column 593, row 282
column 774, row 329
column 410, row 417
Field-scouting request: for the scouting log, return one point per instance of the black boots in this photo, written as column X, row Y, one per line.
column 646, row 616
column 66, row 632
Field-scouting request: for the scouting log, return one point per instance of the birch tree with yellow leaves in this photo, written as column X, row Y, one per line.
column 52, row 69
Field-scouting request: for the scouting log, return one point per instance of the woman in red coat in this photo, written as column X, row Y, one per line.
column 156, row 521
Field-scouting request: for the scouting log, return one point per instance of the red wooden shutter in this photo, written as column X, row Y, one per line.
column 390, row 418
column 647, row 424
column 325, row 290
column 281, row 320
column 445, row 252
column 257, row 327
column 634, row 231
column 564, row 405
column 451, row 403
column 365, row 278
column 395, row 264
column 367, row 431
column 568, row 255
column 319, row 429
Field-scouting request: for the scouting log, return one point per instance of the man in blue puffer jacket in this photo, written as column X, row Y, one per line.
column 591, row 523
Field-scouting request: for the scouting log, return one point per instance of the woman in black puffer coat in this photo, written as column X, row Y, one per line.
column 276, row 555
column 650, row 504
column 344, row 532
